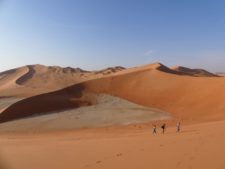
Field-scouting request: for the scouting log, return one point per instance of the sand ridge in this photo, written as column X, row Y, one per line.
column 8, row 79
column 193, row 72
column 37, row 79
column 186, row 97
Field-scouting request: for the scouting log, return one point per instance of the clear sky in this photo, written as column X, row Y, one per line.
column 94, row 34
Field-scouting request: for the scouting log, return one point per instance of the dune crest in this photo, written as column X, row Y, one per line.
column 36, row 79
column 21, row 80
column 8, row 78
column 193, row 72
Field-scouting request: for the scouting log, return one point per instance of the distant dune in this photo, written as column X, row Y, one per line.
column 8, row 78
column 220, row 73
column 36, row 79
column 193, row 72
column 188, row 98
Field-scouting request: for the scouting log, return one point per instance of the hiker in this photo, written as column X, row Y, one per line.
column 178, row 127
column 154, row 129
column 163, row 128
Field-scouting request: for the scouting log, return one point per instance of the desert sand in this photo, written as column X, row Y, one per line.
column 54, row 117
column 197, row 146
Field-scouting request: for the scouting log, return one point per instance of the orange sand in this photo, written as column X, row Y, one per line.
column 196, row 147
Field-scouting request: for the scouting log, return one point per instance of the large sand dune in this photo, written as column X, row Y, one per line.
column 188, row 98
column 108, row 111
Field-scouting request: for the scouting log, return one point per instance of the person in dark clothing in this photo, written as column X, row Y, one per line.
column 163, row 128
column 154, row 129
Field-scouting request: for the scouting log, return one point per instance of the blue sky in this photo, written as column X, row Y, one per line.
column 94, row 34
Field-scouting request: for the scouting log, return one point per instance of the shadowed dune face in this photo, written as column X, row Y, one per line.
column 3, row 164
column 21, row 80
column 68, row 98
column 107, row 111
column 163, row 68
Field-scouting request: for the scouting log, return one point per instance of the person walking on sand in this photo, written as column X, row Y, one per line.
column 163, row 128
column 154, row 129
column 178, row 127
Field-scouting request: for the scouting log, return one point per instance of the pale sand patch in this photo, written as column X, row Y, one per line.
column 108, row 111
column 7, row 101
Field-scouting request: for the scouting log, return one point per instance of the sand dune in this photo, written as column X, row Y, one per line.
column 31, row 80
column 193, row 72
column 189, row 98
column 186, row 97
column 8, row 79
column 108, row 111
column 36, row 79
column 110, row 70
column 178, row 70
column 220, row 73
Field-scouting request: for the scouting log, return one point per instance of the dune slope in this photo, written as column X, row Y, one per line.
column 193, row 72
column 188, row 98
column 37, row 79
column 108, row 111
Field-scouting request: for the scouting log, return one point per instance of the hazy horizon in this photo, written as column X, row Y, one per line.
column 95, row 35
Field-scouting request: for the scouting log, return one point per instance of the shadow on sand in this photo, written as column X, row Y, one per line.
column 3, row 163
